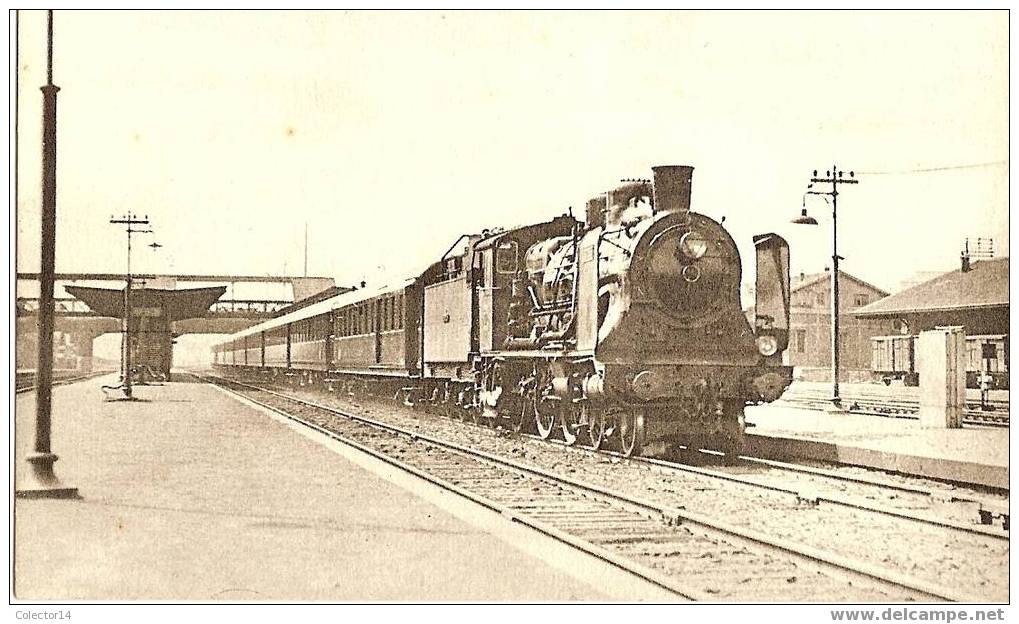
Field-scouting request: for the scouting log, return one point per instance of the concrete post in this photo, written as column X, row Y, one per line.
column 941, row 364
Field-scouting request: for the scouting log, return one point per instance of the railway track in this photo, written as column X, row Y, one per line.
column 694, row 554
column 944, row 507
column 25, row 381
column 897, row 407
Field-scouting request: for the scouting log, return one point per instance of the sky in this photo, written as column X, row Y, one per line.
column 390, row 134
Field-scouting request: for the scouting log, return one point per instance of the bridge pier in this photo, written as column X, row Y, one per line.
column 73, row 340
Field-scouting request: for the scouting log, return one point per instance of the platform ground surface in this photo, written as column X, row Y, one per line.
column 975, row 444
column 976, row 455
column 194, row 496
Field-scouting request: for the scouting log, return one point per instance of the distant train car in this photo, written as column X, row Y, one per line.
column 893, row 357
column 987, row 353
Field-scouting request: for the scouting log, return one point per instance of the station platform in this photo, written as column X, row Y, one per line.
column 894, row 391
column 972, row 454
column 190, row 495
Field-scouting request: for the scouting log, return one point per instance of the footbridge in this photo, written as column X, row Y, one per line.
column 88, row 305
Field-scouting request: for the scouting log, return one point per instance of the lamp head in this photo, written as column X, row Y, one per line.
column 803, row 219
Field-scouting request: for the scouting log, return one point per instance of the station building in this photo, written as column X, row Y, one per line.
column 810, row 325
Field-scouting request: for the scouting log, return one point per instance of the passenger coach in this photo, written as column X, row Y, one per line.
column 371, row 333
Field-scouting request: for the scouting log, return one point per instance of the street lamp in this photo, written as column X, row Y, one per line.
column 39, row 481
column 834, row 176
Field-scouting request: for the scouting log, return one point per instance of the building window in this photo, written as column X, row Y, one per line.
column 860, row 300
column 801, row 340
column 820, row 298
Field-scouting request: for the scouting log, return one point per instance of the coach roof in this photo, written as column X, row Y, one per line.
column 322, row 307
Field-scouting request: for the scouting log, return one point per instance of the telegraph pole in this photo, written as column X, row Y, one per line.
column 128, row 220
column 835, row 177
column 41, row 482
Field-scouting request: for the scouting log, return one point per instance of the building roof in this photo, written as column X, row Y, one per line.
column 985, row 285
column 809, row 279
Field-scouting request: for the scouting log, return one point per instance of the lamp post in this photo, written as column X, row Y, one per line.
column 835, row 177
column 40, row 481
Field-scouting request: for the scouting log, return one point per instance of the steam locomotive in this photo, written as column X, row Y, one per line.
column 624, row 330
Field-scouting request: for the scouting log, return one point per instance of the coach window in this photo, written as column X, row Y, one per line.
column 506, row 257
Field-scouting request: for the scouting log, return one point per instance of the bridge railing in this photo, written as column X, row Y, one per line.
column 69, row 306
column 256, row 306
column 62, row 305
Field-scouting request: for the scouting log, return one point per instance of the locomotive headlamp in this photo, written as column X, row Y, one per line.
column 693, row 245
column 767, row 345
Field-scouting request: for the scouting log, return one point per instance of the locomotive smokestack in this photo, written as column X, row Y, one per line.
column 672, row 188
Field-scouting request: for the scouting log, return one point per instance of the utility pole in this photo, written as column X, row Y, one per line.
column 128, row 220
column 835, row 177
column 41, row 482
column 306, row 249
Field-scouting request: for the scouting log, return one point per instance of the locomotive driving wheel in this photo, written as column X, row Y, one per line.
column 601, row 427
column 544, row 417
column 574, row 417
column 631, row 432
column 542, row 405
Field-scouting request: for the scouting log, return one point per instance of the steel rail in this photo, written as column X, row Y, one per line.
column 842, row 501
column 864, row 570
column 970, row 416
column 62, row 381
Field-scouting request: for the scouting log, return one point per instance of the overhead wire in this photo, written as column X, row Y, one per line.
column 992, row 163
